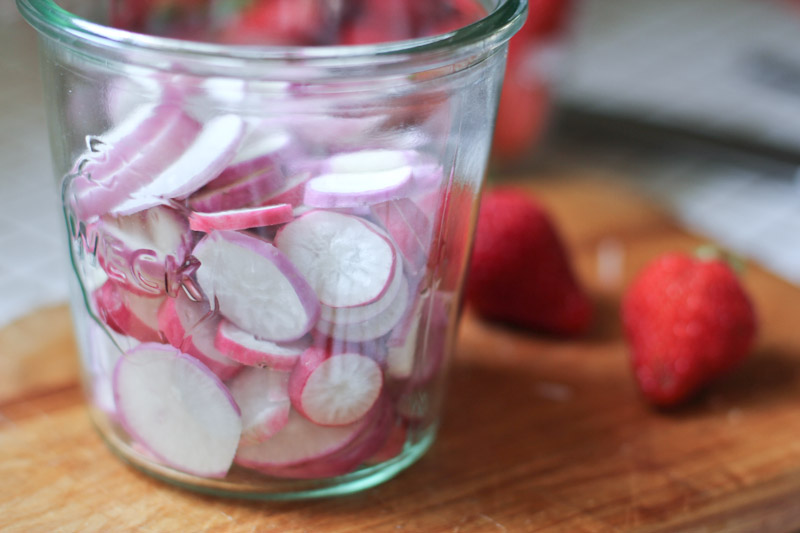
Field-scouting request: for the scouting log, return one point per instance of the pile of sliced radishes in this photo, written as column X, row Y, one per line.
column 270, row 293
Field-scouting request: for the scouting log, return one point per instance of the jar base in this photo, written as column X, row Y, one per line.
column 243, row 484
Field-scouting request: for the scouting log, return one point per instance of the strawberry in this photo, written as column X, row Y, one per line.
column 520, row 272
column 687, row 321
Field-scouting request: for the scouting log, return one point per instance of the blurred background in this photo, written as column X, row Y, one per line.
column 695, row 102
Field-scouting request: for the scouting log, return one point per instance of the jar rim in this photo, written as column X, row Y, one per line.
column 507, row 16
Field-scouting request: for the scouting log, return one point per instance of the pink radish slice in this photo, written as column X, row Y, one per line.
column 335, row 390
column 256, row 286
column 246, row 191
column 260, row 146
column 375, row 349
column 393, row 445
column 344, row 258
column 357, row 188
column 262, row 395
column 370, row 440
column 372, row 327
column 128, row 313
column 400, row 357
column 349, row 315
column 299, row 441
column 191, row 327
column 236, row 219
column 409, row 228
column 248, row 349
column 176, row 408
column 131, row 163
column 291, row 192
column 139, row 250
column 208, row 155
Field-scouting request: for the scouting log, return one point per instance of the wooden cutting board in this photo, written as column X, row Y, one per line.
column 538, row 433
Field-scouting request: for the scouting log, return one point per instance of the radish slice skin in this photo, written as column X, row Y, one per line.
column 191, row 326
column 299, row 441
column 207, row 156
column 128, row 313
column 246, row 191
column 256, row 286
column 177, row 409
column 368, row 161
column 248, row 349
column 237, row 219
column 351, row 315
column 263, row 397
column 335, row 390
column 345, row 259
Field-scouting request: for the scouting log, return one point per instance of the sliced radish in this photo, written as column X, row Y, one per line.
column 402, row 354
column 141, row 250
column 236, row 219
column 299, row 441
column 334, row 390
column 129, row 313
column 291, row 192
column 176, row 408
column 372, row 327
column 393, row 445
column 191, row 327
column 260, row 146
column 126, row 164
column 246, row 190
column 409, row 228
column 344, row 258
column 208, row 155
column 370, row 440
column 349, row 315
column 246, row 348
column 262, row 395
column 356, row 189
column 256, row 286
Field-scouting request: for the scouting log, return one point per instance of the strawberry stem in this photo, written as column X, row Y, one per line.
column 712, row 252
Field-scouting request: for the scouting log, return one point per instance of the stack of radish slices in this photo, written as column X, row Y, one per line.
column 269, row 317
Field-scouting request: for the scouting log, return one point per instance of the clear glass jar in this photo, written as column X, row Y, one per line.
column 269, row 243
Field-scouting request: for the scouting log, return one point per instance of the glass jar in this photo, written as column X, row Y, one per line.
column 268, row 243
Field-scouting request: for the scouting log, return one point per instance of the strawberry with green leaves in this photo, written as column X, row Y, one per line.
column 687, row 320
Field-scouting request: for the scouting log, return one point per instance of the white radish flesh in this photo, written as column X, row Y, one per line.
column 263, row 397
column 207, row 156
column 409, row 228
column 237, row 219
column 349, row 315
column 248, row 349
column 345, row 259
column 256, row 286
column 299, row 441
column 191, row 327
column 245, row 191
column 357, row 188
column 368, row 161
column 177, row 409
column 335, row 390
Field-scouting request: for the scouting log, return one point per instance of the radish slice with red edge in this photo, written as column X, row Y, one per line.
column 129, row 163
column 357, row 188
column 209, row 154
column 246, row 348
column 256, row 286
column 246, row 191
column 349, row 315
column 191, row 327
column 344, row 258
column 299, row 441
column 372, row 327
column 262, row 395
column 368, row 161
column 291, row 192
column 236, row 219
column 128, row 313
column 334, row 390
column 178, row 409
column 140, row 251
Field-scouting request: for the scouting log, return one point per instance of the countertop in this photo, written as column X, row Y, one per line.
column 538, row 434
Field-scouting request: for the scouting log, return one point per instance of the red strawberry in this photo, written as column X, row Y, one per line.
column 520, row 272
column 687, row 321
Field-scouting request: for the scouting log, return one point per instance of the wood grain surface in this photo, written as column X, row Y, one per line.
column 539, row 434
